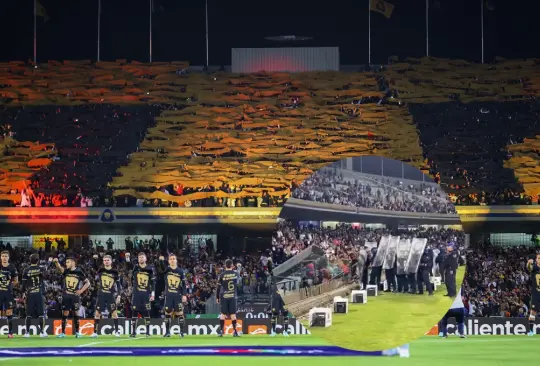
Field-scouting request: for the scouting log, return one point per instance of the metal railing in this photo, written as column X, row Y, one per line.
column 316, row 290
column 298, row 259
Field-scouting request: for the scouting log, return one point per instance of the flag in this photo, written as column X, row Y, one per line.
column 41, row 12
column 382, row 7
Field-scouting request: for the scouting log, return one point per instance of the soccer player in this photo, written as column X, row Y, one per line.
column 533, row 266
column 108, row 298
column 457, row 311
column 74, row 277
column 174, row 295
column 33, row 289
column 226, row 296
column 144, row 286
column 277, row 308
column 8, row 278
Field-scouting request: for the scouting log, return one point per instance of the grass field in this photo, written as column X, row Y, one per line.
column 387, row 321
column 480, row 351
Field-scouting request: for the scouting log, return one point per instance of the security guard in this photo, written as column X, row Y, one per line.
column 411, row 276
column 402, row 284
column 424, row 269
column 390, row 274
column 375, row 276
column 451, row 264
column 439, row 261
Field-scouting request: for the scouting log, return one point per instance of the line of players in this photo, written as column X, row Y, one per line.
column 75, row 283
column 227, row 299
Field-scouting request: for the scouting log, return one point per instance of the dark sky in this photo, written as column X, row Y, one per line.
column 179, row 29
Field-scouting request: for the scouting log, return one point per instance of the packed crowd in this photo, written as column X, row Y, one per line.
column 91, row 143
column 33, row 196
column 466, row 147
column 330, row 186
column 201, row 267
column 497, row 282
column 342, row 244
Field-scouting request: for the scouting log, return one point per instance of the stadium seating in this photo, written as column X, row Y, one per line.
column 330, row 185
column 91, row 142
column 342, row 245
column 497, row 283
column 224, row 139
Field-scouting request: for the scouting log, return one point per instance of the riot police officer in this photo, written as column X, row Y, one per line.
column 402, row 284
column 363, row 267
column 451, row 264
column 375, row 275
column 439, row 261
column 424, row 269
column 390, row 274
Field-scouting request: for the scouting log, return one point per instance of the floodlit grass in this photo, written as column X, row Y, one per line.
column 387, row 321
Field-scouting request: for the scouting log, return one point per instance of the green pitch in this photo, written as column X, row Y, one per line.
column 428, row 351
column 387, row 321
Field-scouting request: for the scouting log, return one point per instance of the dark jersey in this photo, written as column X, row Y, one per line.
column 535, row 280
column 32, row 280
column 73, row 280
column 228, row 281
column 144, row 279
column 174, row 281
column 108, row 281
column 276, row 302
column 7, row 275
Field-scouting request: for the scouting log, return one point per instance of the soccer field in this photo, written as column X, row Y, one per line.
column 480, row 351
column 387, row 321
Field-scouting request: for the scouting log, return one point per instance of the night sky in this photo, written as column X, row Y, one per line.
column 179, row 29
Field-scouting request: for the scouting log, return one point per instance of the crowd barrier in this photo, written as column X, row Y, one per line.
column 490, row 326
column 198, row 326
column 311, row 291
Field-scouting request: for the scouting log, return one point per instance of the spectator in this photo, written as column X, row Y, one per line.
column 331, row 186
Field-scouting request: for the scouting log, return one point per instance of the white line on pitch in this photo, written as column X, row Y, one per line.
column 113, row 341
column 487, row 338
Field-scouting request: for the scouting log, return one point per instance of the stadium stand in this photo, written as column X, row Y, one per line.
column 244, row 140
column 329, row 185
column 496, row 282
column 90, row 141
column 341, row 245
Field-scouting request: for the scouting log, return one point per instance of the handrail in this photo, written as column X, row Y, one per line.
column 311, row 291
column 330, row 207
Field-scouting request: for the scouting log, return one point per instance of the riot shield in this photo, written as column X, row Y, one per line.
column 370, row 245
column 390, row 257
column 435, row 255
column 381, row 252
column 403, row 251
column 362, row 259
column 417, row 250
